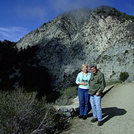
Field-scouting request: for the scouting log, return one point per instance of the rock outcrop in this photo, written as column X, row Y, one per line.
column 103, row 36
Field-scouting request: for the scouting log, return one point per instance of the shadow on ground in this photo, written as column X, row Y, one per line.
column 105, row 92
column 111, row 112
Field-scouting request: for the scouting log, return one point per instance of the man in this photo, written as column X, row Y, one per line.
column 97, row 85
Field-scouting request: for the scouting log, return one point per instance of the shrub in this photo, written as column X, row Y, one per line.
column 123, row 76
column 21, row 113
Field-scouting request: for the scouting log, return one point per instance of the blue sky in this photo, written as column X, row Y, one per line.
column 19, row 17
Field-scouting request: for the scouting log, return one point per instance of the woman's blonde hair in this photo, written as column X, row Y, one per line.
column 84, row 65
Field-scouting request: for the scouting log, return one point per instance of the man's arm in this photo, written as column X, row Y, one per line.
column 102, row 84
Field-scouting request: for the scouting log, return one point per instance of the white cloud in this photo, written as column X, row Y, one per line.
column 45, row 9
column 12, row 33
column 60, row 6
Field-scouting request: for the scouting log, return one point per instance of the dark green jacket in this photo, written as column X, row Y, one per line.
column 97, row 83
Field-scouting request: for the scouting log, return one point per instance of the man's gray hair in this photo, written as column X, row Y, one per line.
column 93, row 65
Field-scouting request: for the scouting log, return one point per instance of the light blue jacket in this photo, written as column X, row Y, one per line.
column 81, row 77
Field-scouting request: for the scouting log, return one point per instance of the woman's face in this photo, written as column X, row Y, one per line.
column 85, row 69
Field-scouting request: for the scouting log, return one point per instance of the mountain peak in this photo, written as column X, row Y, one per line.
column 102, row 35
column 78, row 15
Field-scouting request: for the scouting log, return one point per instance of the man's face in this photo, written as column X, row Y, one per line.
column 94, row 70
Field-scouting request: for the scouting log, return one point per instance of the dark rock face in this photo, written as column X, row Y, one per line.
column 103, row 36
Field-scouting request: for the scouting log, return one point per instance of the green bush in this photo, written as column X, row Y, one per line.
column 21, row 113
column 123, row 76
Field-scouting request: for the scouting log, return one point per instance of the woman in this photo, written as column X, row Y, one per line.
column 83, row 81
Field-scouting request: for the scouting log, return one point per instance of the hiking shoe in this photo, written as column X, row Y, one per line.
column 84, row 117
column 100, row 123
column 94, row 120
column 80, row 116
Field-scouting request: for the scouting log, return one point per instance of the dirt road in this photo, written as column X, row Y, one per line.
column 118, row 114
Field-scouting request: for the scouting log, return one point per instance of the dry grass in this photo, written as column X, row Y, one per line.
column 21, row 113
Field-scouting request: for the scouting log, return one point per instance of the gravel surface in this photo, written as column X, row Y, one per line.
column 118, row 114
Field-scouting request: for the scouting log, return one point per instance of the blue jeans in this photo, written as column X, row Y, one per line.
column 83, row 101
column 96, row 106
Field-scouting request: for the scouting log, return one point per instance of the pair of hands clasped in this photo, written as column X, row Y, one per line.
column 84, row 84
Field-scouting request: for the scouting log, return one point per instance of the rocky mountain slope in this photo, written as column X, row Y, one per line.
column 103, row 36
